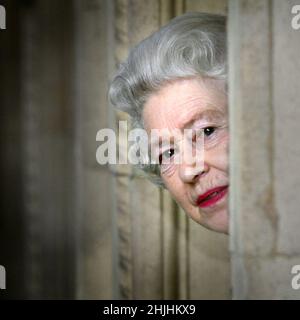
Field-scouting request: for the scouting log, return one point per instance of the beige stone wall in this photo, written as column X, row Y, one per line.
column 94, row 193
column 264, row 111
column 47, row 145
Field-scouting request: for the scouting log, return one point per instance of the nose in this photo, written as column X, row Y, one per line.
column 191, row 172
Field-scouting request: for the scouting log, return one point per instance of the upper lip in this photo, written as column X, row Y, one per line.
column 204, row 195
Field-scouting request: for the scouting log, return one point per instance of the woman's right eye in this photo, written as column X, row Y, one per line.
column 165, row 156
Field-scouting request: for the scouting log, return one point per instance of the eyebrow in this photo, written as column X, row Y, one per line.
column 208, row 114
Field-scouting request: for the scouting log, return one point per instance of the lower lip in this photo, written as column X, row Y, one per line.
column 212, row 201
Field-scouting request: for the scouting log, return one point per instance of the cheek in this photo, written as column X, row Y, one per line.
column 175, row 187
column 221, row 155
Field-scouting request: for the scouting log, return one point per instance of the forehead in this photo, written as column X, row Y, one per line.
column 180, row 103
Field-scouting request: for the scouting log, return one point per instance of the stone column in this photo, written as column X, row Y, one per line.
column 48, row 162
column 265, row 152
column 95, row 197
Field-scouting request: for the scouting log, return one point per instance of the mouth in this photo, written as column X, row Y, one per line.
column 211, row 197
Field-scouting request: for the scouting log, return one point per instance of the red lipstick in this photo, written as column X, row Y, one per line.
column 211, row 197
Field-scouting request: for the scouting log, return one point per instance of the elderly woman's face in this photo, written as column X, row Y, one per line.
column 201, row 190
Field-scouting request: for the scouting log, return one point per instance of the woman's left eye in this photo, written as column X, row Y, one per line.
column 209, row 131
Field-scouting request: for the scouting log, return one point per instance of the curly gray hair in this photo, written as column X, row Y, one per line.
column 191, row 45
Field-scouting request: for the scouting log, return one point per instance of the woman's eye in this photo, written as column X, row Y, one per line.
column 166, row 156
column 208, row 131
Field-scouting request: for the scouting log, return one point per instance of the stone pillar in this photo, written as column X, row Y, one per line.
column 11, row 219
column 95, row 197
column 64, row 77
column 46, row 78
column 265, row 153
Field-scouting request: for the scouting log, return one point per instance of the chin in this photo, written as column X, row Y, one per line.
column 217, row 222
column 220, row 229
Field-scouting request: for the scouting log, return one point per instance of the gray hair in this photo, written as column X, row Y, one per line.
column 191, row 45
